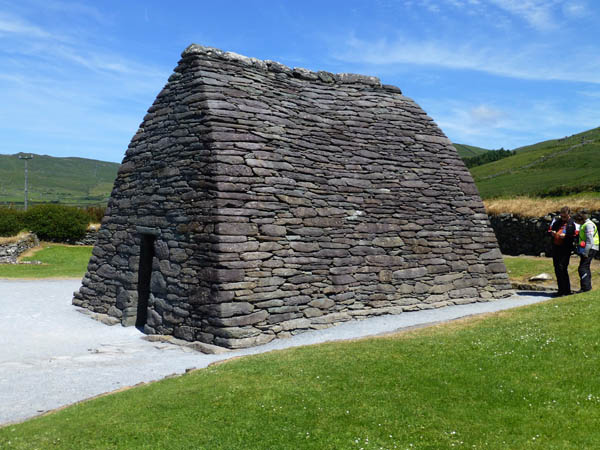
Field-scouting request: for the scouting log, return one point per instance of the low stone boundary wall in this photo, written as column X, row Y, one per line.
column 525, row 235
column 10, row 252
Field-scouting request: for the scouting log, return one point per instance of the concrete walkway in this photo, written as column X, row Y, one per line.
column 51, row 355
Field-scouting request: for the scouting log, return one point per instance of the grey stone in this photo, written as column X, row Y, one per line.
column 245, row 342
column 413, row 273
column 238, row 321
column 295, row 324
column 228, row 309
column 322, row 303
column 273, row 230
column 237, row 229
column 395, row 241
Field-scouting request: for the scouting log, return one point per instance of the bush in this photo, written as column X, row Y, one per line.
column 12, row 221
column 487, row 157
column 57, row 223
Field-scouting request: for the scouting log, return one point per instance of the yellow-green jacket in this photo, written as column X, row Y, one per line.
column 588, row 237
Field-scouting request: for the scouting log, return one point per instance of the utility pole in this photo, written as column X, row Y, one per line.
column 26, row 158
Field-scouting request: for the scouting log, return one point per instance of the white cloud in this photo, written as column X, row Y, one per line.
column 530, row 61
column 101, row 61
column 62, row 87
column 431, row 6
column 484, row 115
column 590, row 94
column 574, row 9
column 12, row 25
column 71, row 7
column 508, row 125
column 541, row 15
column 471, row 124
column 538, row 13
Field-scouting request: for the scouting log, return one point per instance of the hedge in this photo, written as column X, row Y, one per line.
column 57, row 223
column 12, row 221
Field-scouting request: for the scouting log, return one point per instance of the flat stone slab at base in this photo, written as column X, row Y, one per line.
column 197, row 346
column 533, row 287
column 103, row 318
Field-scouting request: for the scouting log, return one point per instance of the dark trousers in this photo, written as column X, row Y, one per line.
column 560, row 258
column 585, row 274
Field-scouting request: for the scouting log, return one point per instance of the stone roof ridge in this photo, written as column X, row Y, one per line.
column 296, row 72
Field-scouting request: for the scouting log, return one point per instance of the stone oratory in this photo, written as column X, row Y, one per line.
column 258, row 201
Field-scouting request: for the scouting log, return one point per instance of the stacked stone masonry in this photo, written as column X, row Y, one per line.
column 274, row 201
column 10, row 251
column 518, row 235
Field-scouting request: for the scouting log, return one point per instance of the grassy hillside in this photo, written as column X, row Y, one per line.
column 468, row 151
column 65, row 180
column 551, row 168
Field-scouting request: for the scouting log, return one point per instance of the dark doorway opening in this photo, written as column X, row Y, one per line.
column 144, row 276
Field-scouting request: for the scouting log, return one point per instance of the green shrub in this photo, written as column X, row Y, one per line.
column 487, row 157
column 12, row 221
column 57, row 222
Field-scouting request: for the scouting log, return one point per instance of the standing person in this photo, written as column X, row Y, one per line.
column 562, row 230
column 588, row 245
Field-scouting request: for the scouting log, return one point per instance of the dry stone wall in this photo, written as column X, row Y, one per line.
column 10, row 251
column 268, row 201
column 518, row 235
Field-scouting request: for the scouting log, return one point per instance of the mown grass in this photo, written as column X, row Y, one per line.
column 58, row 261
column 526, row 378
column 521, row 268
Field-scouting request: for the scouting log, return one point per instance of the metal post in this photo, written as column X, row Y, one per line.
column 26, row 158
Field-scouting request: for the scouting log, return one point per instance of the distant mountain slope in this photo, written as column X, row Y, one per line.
column 551, row 168
column 66, row 180
column 468, row 151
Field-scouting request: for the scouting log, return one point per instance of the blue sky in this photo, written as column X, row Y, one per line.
column 76, row 77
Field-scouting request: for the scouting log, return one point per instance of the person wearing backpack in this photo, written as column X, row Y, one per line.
column 562, row 230
column 587, row 247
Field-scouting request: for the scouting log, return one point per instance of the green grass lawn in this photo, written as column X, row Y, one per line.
column 521, row 268
column 58, row 261
column 519, row 379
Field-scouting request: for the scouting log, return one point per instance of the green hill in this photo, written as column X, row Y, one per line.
column 75, row 181
column 468, row 151
column 556, row 167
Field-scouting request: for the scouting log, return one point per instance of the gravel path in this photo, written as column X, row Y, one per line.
column 51, row 355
